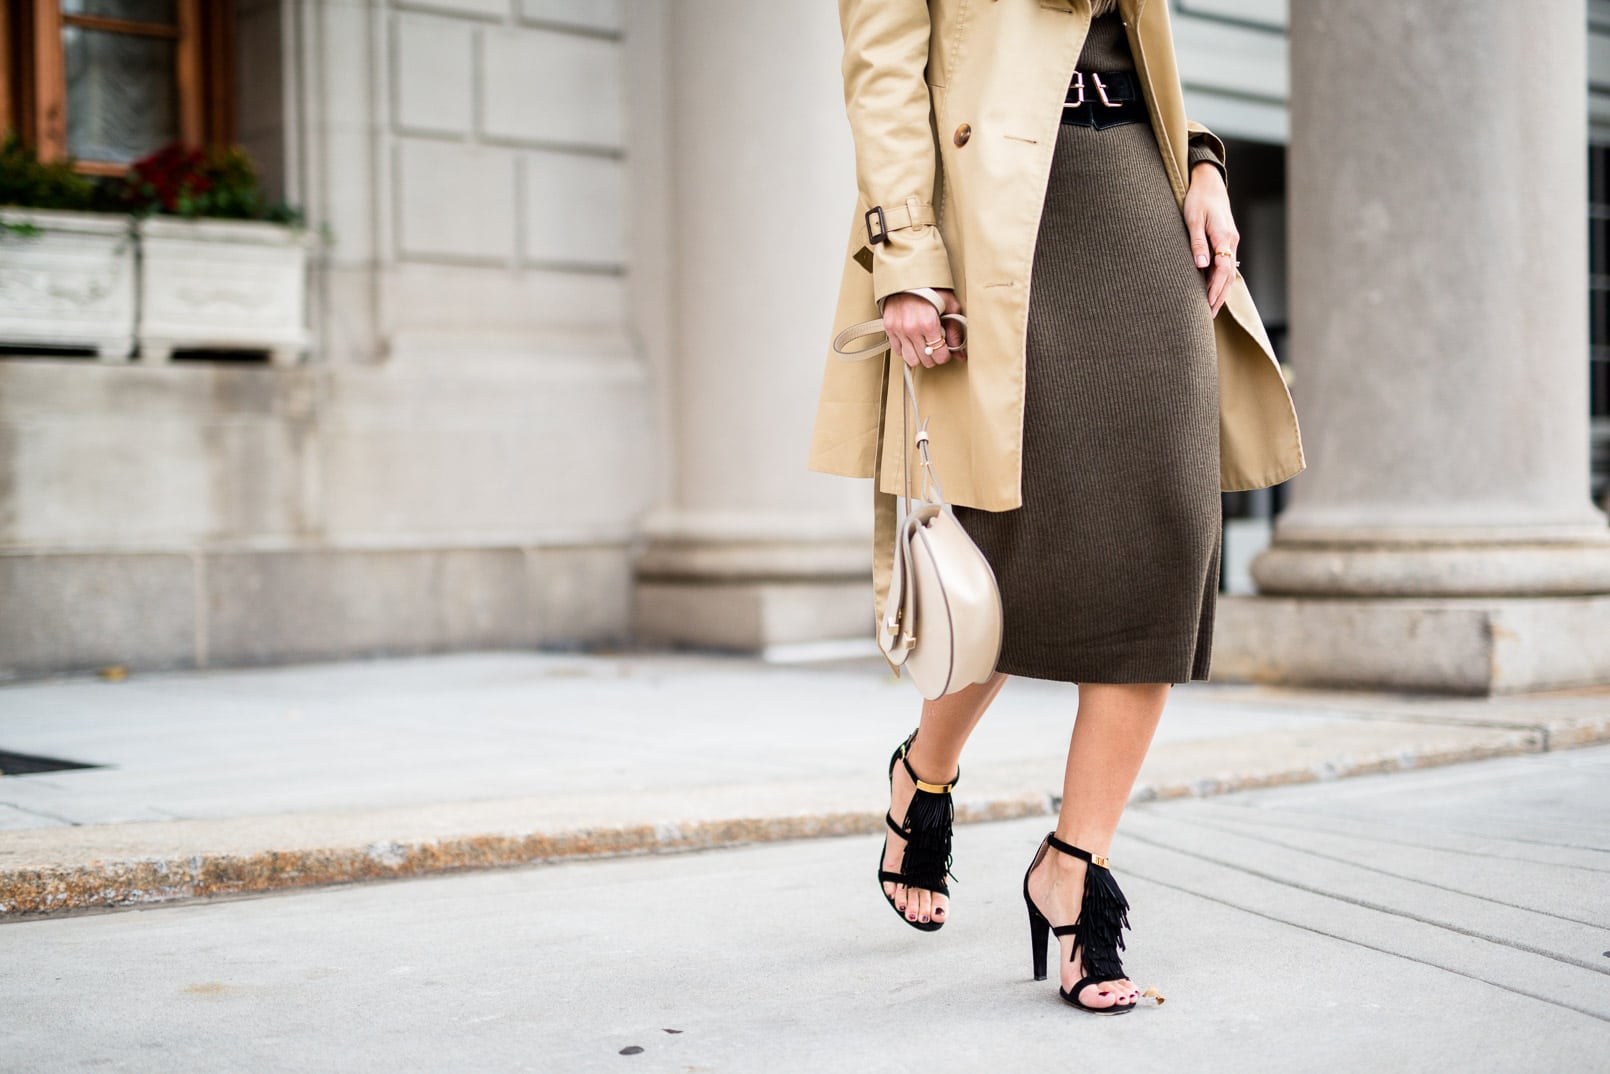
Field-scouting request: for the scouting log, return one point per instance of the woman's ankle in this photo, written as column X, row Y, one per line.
column 939, row 770
column 1095, row 841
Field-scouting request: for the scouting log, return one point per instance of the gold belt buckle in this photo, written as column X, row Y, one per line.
column 1078, row 84
column 1101, row 91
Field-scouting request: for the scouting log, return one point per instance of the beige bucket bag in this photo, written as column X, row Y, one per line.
column 942, row 620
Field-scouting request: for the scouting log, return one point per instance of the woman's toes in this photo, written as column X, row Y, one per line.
column 940, row 907
column 1102, row 993
column 902, row 898
column 925, row 906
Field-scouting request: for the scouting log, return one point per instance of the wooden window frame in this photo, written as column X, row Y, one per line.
column 8, row 70
column 33, row 100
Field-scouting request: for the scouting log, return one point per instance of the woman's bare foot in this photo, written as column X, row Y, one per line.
column 1057, row 887
column 916, row 903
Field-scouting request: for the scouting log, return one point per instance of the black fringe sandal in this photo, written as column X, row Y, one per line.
column 1097, row 933
column 925, row 864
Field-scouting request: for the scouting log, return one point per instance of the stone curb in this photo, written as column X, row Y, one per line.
column 109, row 885
column 104, row 885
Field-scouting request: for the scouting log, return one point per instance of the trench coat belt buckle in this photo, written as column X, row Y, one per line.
column 911, row 213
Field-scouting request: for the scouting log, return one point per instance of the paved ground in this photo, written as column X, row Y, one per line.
column 1452, row 919
column 254, row 780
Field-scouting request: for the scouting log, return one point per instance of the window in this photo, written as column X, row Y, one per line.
column 108, row 81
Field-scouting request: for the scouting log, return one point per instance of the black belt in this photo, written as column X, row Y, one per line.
column 1104, row 99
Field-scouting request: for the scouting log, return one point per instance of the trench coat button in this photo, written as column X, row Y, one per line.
column 963, row 133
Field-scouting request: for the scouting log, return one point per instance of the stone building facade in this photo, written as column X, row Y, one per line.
column 568, row 317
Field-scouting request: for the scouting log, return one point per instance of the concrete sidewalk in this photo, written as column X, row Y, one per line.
column 1444, row 920
column 240, row 781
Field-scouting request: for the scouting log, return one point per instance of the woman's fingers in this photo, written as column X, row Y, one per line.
column 1196, row 224
column 913, row 328
column 1225, row 239
column 916, row 333
column 955, row 334
column 930, row 339
column 1212, row 232
column 900, row 343
column 913, row 341
column 1223, row 273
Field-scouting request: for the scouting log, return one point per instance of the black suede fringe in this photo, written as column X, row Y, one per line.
column 927, row 831
column 1102, row 918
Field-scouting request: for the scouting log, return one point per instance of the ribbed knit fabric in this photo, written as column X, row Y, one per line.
column 1109, row 571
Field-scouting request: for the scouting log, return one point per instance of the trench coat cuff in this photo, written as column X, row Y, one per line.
column 1205, row 145
column 910, row 258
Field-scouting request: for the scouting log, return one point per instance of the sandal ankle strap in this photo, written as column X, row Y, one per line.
column 931, row 788
column 1077, row 852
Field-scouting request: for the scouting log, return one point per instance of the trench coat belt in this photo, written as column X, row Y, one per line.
column 910, row 213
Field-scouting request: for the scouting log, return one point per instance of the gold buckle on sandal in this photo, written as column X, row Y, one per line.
column 1098, row 860
column 905, row 750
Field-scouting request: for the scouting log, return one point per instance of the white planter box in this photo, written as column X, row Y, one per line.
column 72, row 285
column 222, row 284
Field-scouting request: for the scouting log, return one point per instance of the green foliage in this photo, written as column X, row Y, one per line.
column 28, row 182
column 218, row 183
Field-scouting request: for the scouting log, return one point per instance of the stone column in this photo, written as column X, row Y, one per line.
column 747, row 138
column 1442, row 536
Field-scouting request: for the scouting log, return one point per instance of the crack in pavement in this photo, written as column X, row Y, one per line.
column 1378, row 908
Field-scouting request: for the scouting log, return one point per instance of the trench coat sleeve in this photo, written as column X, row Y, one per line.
column 887, row 100
column 1205, row 145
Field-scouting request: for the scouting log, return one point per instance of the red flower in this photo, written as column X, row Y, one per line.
column 172, row 173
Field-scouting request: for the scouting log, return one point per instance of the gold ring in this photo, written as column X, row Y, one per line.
column 1225, row 253
column 934, row 342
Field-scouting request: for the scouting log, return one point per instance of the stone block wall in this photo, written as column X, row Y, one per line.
column 463, row 459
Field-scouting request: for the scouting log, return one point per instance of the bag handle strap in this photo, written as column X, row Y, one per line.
column 895, row 636
column 869, row 329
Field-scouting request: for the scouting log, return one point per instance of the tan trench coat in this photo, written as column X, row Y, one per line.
column 954, row 106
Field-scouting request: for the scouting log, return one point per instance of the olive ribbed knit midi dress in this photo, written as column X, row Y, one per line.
column 1109, row 570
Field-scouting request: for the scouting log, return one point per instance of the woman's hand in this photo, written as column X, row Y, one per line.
column 915, row 332
column 1211, row 227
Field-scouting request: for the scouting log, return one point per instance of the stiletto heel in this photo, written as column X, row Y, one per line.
column 925, row 864
column 1039, row 936
column 1097, row 931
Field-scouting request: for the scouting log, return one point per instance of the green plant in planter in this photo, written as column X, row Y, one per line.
column 217, row 182
column 220, row 183
column 27, row 182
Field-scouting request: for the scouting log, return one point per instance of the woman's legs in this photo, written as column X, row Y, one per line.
column 1111, row 734
column 935, row 753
